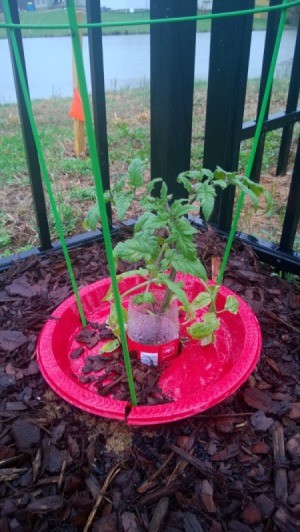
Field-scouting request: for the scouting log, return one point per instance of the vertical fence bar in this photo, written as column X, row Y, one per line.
column 292, row 101
column 292, row 212
column 227, row 83
column 172, row 84
column 27, row 102
column 271, row 32
column 93, row 13
column 32, row 158
column 257, row 136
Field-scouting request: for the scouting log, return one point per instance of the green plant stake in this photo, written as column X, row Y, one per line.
column 42, row 162
column 99, row 190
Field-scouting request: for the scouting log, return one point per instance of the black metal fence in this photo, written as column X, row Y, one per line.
column 172, row 48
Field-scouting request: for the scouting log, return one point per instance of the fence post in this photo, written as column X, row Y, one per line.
column 292, row 212
column 28, row 139
column 272, row 27
column 291, row 105
column 172, row 85
column 93, row 14
column 227, row 82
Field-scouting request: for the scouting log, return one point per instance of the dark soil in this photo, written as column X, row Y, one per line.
column 234, row 468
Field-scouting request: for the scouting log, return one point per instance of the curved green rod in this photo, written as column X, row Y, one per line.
column 255, row 143
column 43, row 163
column 209, row 16
column 99, row 189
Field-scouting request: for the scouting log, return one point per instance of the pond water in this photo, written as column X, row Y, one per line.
column 126, row 62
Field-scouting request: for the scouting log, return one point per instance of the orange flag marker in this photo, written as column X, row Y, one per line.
column 76, row 110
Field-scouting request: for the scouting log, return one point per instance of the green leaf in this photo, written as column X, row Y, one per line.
column 186, row 182
column 150, row 186
column 194, row 267
column 92, row 218
column 137, row 248
column 145, row 223
column 232, row 304
column 156, row 202
column 202, row 300
column 213, row 290
column 164, row 193
column 181, row 237
column 109, row 296
column 110, row 346
column 147, row 297
column 248, row 192
column 107, row 196
column 221, row 183
column 269, row 201
column 208, row 173
column 229, row 177
column 206, row 340
column 206, row 196
column 251, row 189
column 206, row 327
column 180, row 208
column 219, row 173
column 119, row 185
column 113, row 320
column 149, row 203
column 122, row 202
column 149, row 222
column 193, row 174
column 256, row 188
column 135, row 173
column 183, row 264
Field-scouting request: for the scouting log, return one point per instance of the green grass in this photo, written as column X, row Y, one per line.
column 4, row 235
column 128, row 121
column 13, row 163
column 59, row 16
column 72, row 181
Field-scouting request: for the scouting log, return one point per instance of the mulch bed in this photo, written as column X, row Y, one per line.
column 235, row 467
column 107, row 371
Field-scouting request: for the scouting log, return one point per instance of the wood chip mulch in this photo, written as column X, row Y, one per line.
column 234, row 468
column 108, row 375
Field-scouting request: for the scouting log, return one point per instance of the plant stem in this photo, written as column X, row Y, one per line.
column 134, row 288
column 212, row 306
column 156, row 265
column 168, row 293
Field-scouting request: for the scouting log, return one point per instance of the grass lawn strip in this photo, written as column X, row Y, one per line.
column 128, row 120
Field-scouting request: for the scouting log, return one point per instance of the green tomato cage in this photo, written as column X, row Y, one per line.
column 74, row 28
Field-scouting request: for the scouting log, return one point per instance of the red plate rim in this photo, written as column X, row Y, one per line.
column 91, row 402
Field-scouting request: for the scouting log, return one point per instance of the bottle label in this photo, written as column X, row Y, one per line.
column 150, row 359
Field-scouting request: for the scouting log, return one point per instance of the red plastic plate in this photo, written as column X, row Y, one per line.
column 197, row 379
